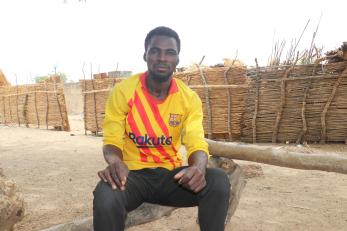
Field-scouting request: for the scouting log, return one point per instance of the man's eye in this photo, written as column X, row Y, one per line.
column 153, row 51
column 171, row 52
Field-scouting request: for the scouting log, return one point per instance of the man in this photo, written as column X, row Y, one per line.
column 147, row 116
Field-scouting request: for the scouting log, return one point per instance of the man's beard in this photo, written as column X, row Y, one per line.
column 159, row 78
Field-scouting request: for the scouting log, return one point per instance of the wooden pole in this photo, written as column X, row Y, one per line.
column 17, row 103
column 84, row 101
column 4, row 109
column 256, row 103
column 279, row 157
column 47, row 105
column 35, row 104
column 344, row 50
column 327, row 105
column 94, row 100
column 207, row 102
column 226, row 82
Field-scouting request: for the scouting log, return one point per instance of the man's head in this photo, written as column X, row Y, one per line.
column 162, row 47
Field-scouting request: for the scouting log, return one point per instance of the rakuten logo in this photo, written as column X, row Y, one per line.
column 148, row 141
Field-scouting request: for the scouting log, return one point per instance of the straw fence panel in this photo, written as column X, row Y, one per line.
column 222, row 94
column 40, row 105
column 95, row 93
column 222, row 91
column 306, row 103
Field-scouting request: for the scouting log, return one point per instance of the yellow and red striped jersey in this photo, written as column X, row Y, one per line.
column 149, row 131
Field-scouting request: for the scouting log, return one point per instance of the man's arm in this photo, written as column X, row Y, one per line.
column 193, row 177
column 116, row 172
column 114, row 128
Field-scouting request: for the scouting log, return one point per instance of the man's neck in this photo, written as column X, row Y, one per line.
column 158, row 90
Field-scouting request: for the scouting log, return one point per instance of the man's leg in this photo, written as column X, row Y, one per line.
column 212, row 201
column 110, row 207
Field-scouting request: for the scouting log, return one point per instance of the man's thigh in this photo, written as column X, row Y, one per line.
column 137, row 190
column 171, row 193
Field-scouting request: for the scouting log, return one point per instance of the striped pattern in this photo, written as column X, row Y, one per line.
column 152, row 128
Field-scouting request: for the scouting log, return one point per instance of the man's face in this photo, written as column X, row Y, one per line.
column 161, row 57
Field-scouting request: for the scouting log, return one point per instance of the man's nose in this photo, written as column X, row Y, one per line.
column 162, row 56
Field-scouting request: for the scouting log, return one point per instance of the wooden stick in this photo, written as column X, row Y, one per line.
column 94, row 98
column 47, row 106
column 58, row 103
column 17, row 111
column 256, row 104
column 10, row 110
column 208, row 107
column 226, row 82
column 4, row 109
column 281, row 106
column 303, row 110
column 84, row 101
column 202, row 59
column 326, row 107
column 36, row 111
column 25, row 111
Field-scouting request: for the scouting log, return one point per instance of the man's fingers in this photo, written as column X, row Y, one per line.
column 198, row 185
column 122, row 182
column 122, row 174
column 189, row 179
column 102, row 176
column 179, row 175
column 110, row 179
column 115, row 176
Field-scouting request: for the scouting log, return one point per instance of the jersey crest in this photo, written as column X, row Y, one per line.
column 175, row 119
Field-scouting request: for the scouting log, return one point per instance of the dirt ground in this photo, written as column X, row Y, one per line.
column 56, row 173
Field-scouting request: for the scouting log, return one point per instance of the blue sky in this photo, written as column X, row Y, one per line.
column 38, row 35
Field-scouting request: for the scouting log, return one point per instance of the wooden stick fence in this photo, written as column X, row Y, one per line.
column 286, row 103
column 36, row 104
column 299, row 104
column 222, row 91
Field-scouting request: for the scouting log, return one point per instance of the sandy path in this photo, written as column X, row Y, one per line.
column 56, row 173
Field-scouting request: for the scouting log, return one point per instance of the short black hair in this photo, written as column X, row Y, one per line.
column 164, row 31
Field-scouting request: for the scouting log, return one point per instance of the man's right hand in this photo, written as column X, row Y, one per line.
column 115, row 174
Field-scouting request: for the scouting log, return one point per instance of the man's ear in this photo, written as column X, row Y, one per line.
column 144, row 57
column 178, row 61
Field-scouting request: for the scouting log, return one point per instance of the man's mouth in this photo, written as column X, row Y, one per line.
column 161, row 68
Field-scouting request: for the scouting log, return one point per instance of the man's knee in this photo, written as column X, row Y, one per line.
column 107, row 200
column 218, row 182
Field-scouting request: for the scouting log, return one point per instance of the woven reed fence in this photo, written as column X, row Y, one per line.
column 304, row 103
column 36, row 104
column 222, row 91
column 95, row 93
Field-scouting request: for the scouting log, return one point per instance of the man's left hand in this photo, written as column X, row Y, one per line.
column 192, row 178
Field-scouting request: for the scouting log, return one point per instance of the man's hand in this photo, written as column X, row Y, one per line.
column 192, row 178
column 116, row 172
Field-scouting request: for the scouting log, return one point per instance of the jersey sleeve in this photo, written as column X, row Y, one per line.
column 116, row 111
column 193, row 131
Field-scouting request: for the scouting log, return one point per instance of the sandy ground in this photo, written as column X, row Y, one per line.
column 56, row 173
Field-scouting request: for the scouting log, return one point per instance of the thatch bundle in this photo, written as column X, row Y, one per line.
column 95, row 94
column 222, row 91
column 304, row 103
column 40, row 104
column 3, row 80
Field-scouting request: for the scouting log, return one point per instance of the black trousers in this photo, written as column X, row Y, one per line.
column 157, row 186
